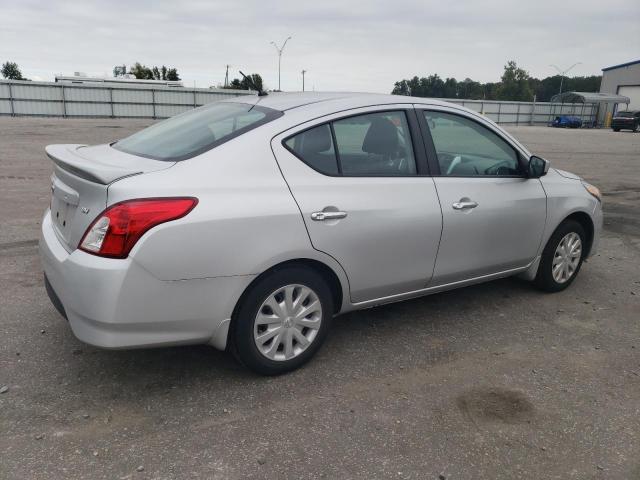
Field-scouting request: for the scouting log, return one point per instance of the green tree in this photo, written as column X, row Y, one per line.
column 172, row 75
column 11, row 71
column 515, row 84
column 141, row 72
column 154, row 73
column 237, row 84
column 401, row 88
column 119, row 70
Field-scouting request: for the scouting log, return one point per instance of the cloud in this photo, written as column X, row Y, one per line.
column 344, row 45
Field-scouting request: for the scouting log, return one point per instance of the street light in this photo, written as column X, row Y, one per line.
column 563, row 73
column 280, row 49
column 303, row 72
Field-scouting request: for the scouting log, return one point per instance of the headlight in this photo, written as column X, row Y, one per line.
column 595, row 191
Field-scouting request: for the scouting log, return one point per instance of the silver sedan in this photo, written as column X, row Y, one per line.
column 250, row 224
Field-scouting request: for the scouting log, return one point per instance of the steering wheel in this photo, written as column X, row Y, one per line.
column 500, row 168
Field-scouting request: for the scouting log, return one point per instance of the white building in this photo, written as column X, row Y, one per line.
column 623, row 79
column 79, row 78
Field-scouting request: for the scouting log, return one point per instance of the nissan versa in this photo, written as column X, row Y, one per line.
column 248, row 224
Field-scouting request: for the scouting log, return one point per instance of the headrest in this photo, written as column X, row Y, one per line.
column 316, row 140
column 381, row 138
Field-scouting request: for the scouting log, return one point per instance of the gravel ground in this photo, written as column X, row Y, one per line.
column 491, row 381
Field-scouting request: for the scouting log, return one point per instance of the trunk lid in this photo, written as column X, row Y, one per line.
column 80, row 184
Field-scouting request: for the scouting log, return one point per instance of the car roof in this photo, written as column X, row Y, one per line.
column 301, row 107
column 333, row 100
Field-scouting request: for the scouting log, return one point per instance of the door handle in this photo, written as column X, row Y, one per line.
column 321, row 216
column 464, row 205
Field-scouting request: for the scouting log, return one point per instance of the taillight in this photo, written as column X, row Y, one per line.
column 116, row 230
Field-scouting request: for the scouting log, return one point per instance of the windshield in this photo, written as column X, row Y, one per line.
column 196, row 131
column 624, row 114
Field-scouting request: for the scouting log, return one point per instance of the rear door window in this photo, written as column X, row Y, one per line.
column 373, row 144
column 196, row 131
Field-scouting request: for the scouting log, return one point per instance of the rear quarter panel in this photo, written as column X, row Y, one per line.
column 246, row 220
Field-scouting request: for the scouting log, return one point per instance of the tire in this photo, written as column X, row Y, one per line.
column 616, row 129
column 545, row 279
column 246, row 326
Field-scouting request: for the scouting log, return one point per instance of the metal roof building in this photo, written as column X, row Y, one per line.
column 623, row 79
column 607, row 103
column 128, row 81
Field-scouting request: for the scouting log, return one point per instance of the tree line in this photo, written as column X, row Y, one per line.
column 142, row 72
column 515, row 84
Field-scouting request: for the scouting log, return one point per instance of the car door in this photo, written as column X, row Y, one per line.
column 493, row 215
column 361, row 182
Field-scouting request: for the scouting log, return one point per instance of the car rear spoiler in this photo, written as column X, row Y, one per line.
column 101, row 163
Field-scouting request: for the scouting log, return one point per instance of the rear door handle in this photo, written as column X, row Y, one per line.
column 464, row 205
column 321, row 216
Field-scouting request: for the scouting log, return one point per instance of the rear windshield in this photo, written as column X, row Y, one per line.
column 196, row 131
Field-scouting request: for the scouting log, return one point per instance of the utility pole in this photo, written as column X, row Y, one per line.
column 280, row 50
column 563, row 73
column 303, row 72
column 226, row 78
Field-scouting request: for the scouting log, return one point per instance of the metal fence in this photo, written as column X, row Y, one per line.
column 530, row 113
column 68, row 100
column 19, row 98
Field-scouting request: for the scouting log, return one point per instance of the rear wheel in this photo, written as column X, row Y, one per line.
column 616, row 129
column 282, row 321
column 562, row 257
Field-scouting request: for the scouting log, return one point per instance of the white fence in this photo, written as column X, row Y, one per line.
column 530, row 113
column 19, row 98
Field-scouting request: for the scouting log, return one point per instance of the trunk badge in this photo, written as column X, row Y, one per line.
column 84, row 210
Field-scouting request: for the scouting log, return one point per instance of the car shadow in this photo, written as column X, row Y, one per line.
column 382, row 332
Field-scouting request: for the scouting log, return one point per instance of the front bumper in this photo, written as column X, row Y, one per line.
column 598, row 222
column 623, row 125
column 115, row 303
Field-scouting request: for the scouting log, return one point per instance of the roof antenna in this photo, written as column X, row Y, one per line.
column 249, row 80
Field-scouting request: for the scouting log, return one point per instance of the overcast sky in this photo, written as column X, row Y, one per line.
column 355, row 45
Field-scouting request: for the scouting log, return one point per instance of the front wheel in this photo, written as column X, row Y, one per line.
column 282, row 321
column 616, row 129
column 562, row 257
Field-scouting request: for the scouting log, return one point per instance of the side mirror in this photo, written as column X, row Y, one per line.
column 538, row 167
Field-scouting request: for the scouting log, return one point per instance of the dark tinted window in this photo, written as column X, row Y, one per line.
column 466, row 148
column 196, row 131
column 315, row 148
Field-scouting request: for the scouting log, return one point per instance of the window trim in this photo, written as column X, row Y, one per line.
column 432, row 155
column 417, row 144
column 270, row 115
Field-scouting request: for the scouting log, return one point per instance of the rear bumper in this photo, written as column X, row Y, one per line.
column 114, row 303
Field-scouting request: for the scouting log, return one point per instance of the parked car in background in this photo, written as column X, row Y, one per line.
column 249, row 224
column 566, row 121
column 626, row 120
